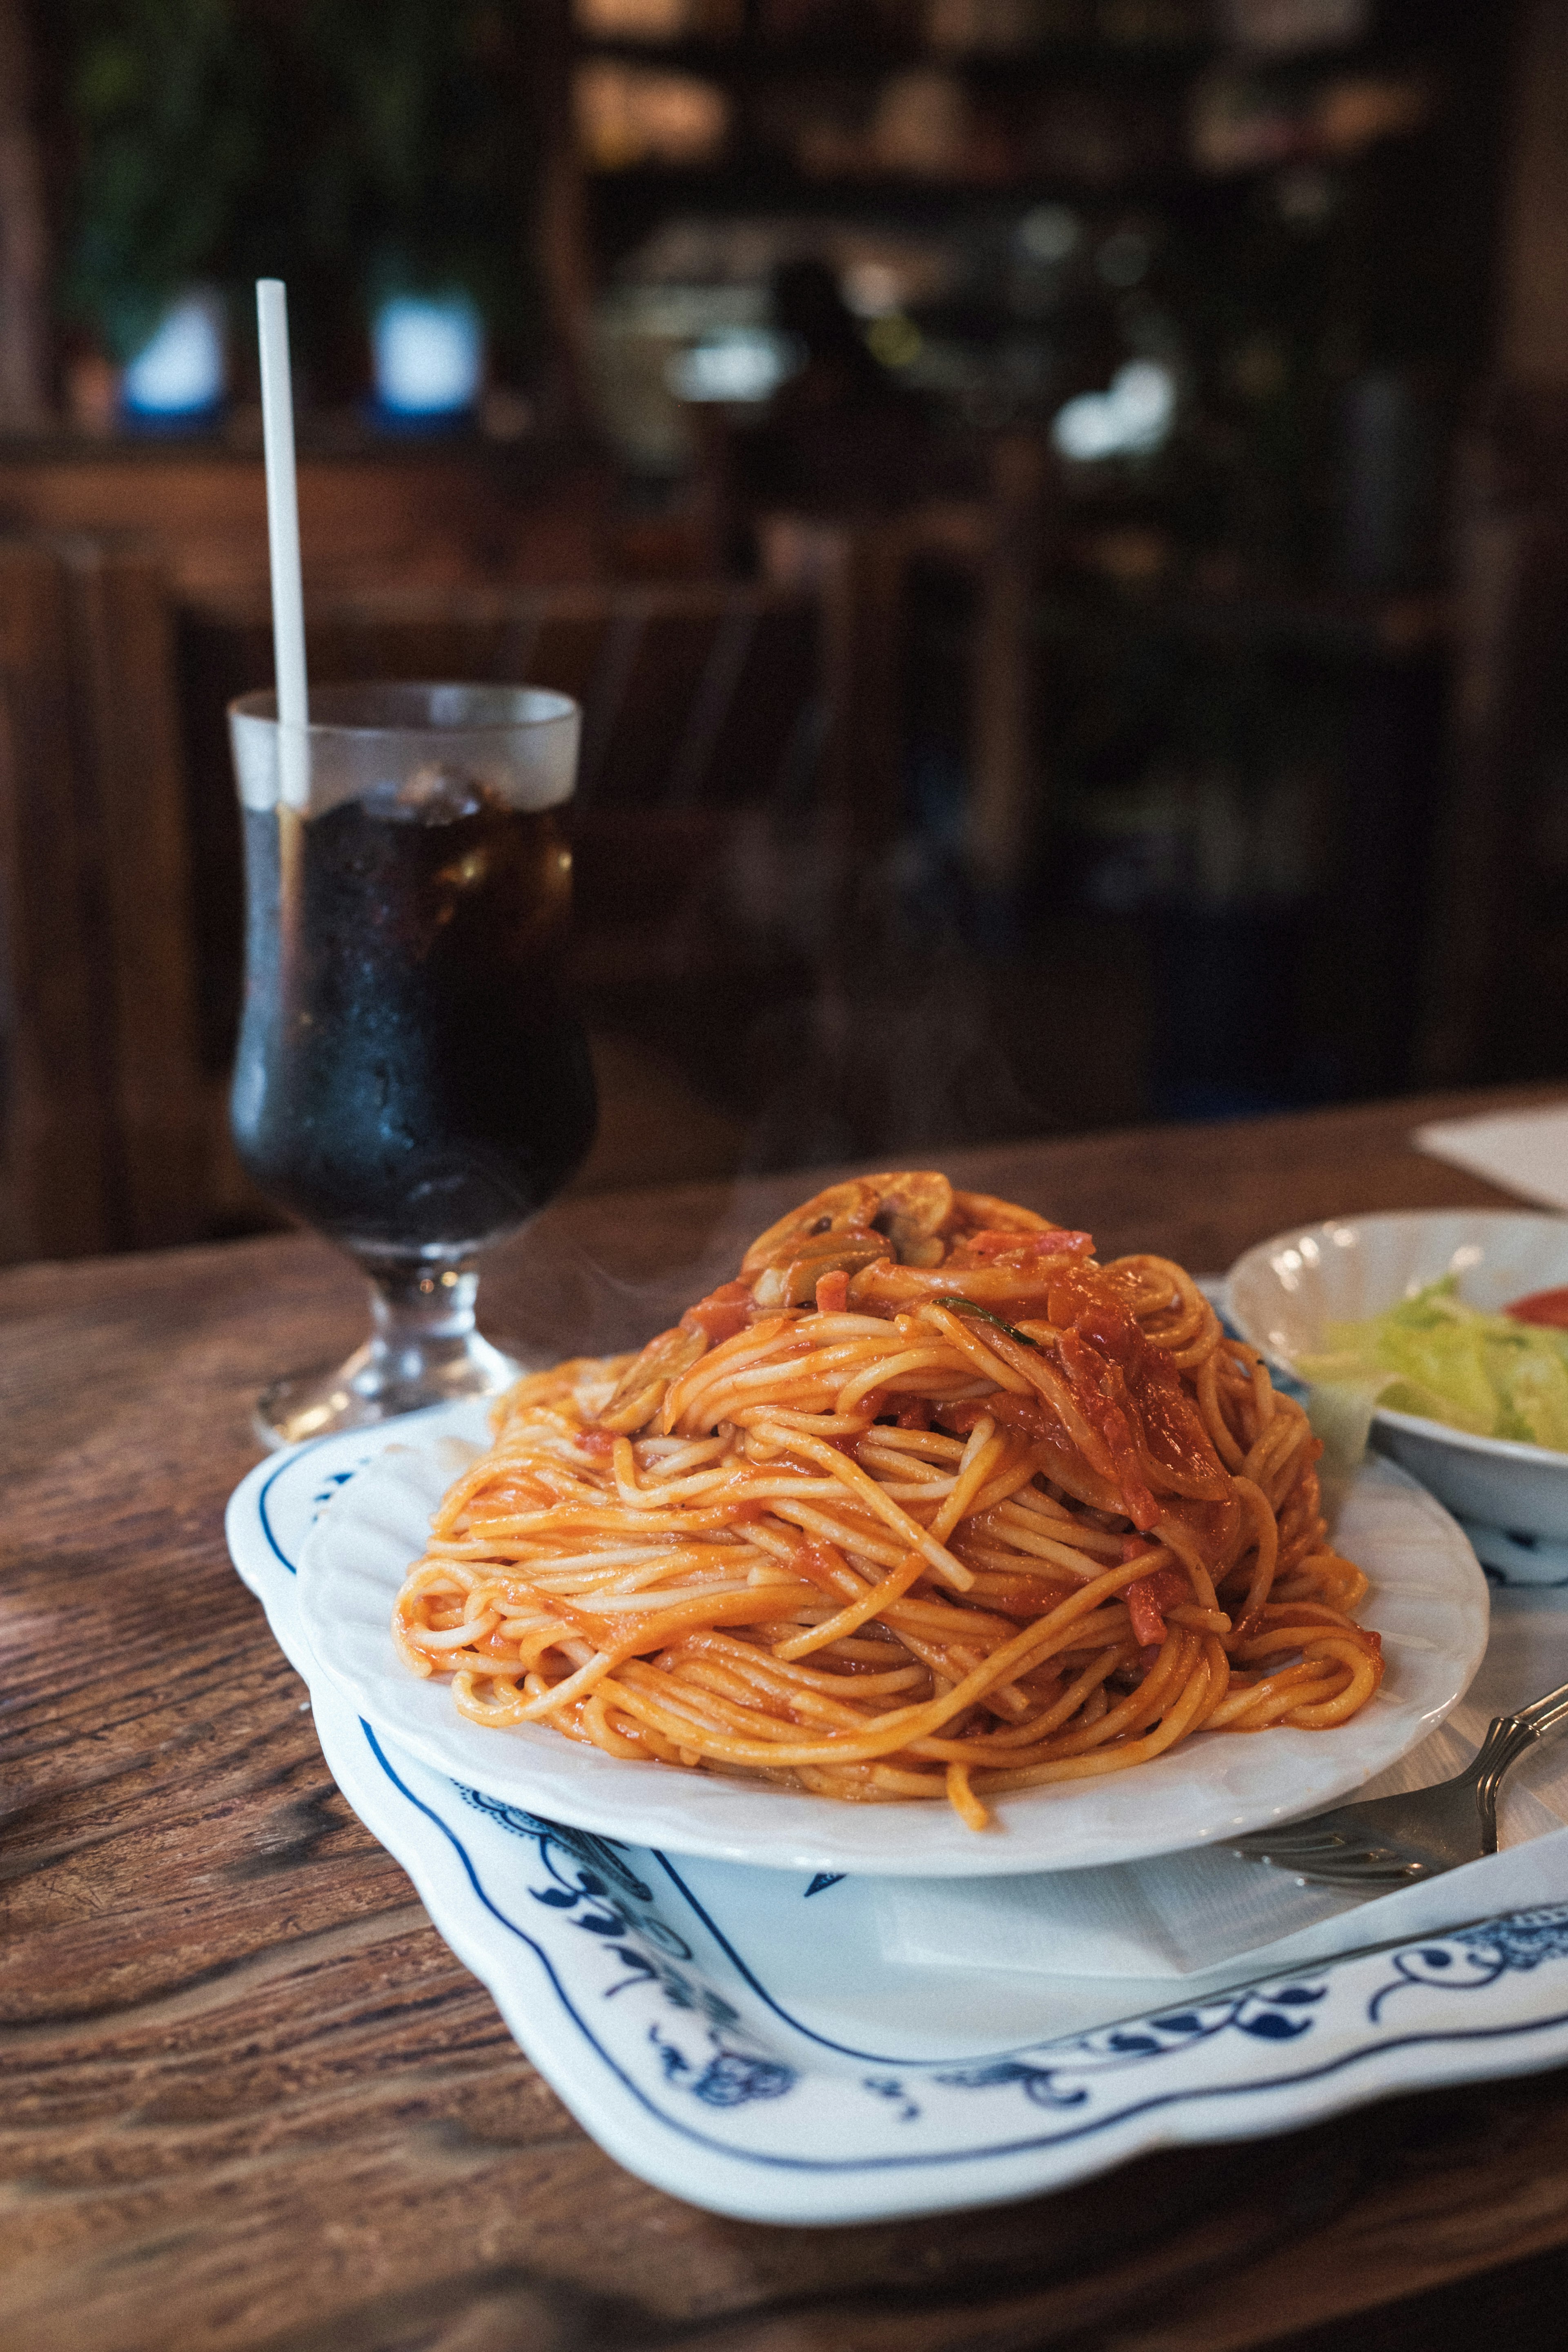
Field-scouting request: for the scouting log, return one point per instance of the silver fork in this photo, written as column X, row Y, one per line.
column 1386, row 1842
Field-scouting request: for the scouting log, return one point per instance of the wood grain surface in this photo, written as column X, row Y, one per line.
column 248, row 2100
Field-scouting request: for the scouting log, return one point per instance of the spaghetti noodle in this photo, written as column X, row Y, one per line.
column 927, row 1502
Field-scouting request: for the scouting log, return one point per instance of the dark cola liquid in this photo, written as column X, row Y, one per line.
column 409, row 1079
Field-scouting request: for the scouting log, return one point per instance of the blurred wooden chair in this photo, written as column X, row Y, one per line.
column 707, row 786
column 741, row 768
column 706, row 706
column 102, row 1124
column 741, row 765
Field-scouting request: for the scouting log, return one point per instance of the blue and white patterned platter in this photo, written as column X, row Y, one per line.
column 736, row 2037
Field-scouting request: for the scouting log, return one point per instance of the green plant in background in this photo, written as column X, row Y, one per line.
column 171, row 100
column 423, row 183
column 354, row 147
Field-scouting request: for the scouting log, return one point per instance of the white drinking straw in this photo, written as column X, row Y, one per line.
column 283, row 542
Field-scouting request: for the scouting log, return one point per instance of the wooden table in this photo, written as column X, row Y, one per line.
column 247, row 2097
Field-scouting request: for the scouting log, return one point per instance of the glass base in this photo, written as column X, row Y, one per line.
column 377, row 1382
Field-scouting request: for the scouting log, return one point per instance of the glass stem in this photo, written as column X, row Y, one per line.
column 422, row 1350
column 422, row 1318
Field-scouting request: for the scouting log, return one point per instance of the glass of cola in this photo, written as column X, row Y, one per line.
column 410, row 1079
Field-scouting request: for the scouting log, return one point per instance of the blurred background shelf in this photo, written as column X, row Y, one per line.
column 1056, row 510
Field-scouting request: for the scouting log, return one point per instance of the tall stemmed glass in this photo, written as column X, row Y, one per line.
column 410, row 1080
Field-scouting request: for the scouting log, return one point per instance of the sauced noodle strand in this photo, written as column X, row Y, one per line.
column 926, row 1504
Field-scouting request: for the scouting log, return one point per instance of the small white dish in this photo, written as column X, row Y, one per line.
column 1429, row 1600
column 1282, row 1294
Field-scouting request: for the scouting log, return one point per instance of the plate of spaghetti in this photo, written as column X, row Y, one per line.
column 930, row 1545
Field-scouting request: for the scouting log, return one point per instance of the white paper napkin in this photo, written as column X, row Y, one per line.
column 1524, row 1150
column 1187, row 1914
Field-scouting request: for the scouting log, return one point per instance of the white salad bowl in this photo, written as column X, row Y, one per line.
column 1511, row 1498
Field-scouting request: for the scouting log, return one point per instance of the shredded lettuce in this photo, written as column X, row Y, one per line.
column 1434, row 1355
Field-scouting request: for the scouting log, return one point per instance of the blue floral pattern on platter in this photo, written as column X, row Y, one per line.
column 659, row 2008
column 592, row 1886
column 1473, row 1959
column 1074, row 2088
column 1059, row 2075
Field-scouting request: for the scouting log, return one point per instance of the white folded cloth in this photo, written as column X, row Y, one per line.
column 1185, row 1914
column 1188, row 1917
column 1526, row 1151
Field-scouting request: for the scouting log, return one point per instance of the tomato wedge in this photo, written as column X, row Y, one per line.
column 721, row 1314
column 1149, row 1598
column 1546, row 1307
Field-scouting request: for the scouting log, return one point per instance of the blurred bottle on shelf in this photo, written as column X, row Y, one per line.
column 631, row 115
column 427, row 359
column 179, row 378
column 656, row 21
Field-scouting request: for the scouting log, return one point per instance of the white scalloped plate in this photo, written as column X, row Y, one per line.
column 737, row 2038
column 1429, row 1600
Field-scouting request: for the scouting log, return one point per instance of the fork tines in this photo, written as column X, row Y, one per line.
column 1315, row 1851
